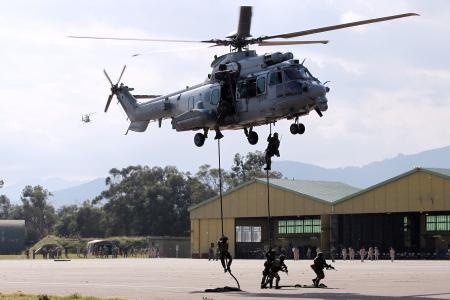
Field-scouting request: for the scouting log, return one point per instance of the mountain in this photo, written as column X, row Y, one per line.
column 14, row 191
column 67, row 193
column 78, row 194
column 370, row 174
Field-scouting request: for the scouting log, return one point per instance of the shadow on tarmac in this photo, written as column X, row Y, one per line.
column 331, row 296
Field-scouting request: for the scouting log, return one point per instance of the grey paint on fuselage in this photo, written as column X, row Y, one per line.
column 273, row 104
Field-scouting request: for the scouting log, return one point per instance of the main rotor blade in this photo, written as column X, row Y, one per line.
column 282, row 43
column 245, row 21
column 108, row 102
column 109, row 79
column 335, row 27
column 134, row 39
column 120, row 77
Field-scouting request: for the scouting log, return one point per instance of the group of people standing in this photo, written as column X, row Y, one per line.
column 373, row 253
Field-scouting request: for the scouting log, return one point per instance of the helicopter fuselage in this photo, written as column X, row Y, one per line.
column 258, row 89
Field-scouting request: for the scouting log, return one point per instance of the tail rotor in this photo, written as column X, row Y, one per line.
column 114, row 87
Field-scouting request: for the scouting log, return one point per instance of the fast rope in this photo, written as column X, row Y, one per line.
column 268, row 201
column 221, row 208
column 220, row 185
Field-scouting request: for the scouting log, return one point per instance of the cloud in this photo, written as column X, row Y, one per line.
column 386, row 83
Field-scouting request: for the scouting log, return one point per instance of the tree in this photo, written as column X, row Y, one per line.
column 248, row 168
column 5, row 207
column 66, row 223
column 38, row 214
column 90, row 221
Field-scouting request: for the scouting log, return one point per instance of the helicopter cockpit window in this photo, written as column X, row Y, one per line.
column 275, row 78
column 215, row 96
column 303, row 73
column 292, row 74
column 261, row 85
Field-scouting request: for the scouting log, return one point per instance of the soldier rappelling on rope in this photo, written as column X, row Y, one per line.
column 224, row 255
column 271, row 150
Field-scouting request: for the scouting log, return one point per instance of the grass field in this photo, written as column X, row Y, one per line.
column 20, row 296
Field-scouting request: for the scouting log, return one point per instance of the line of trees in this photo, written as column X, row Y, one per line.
column 138, row 201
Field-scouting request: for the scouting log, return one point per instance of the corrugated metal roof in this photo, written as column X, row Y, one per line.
column 11, row 223
column 444, row 172
column 328, row 191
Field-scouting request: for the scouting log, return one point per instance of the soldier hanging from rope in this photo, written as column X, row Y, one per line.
column 224, row 255
column 272, row 149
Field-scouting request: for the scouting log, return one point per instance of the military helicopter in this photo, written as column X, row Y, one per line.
column 86, row 118
column 243, row 90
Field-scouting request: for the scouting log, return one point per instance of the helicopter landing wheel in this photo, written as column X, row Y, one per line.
column 301, row 128
column 252, row 138
column 199, row 139
column 294, row 128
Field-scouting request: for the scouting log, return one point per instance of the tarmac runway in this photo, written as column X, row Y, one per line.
column 167, row 278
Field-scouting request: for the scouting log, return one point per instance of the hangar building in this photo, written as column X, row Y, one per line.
column 12, row 236
column 410, row 212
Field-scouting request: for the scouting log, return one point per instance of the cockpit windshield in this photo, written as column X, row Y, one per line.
column 301, row 73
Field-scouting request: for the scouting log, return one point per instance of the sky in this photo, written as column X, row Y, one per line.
column 390, row 90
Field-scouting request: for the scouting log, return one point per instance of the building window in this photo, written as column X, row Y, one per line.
column 299, row 226
column 438, row 223
column 248, row 234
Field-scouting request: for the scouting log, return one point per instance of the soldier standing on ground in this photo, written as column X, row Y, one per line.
column 377, row 253
column 270, row 257
column 224, row 255
column 344, row 253
column 370, row 253
column 362, row 253
column 277, row 266
column 332, row 253
column 211, row 252
column 392, row 254
column 271, row 150
column 352, row 253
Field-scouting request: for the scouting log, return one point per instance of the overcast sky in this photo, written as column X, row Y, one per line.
column 390, row 82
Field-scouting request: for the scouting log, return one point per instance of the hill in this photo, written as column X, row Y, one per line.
column 369, row 174
column 78, row 194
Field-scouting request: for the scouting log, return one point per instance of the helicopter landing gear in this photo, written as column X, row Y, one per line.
column 297, row 128
column 251, row 135
column 199, row 138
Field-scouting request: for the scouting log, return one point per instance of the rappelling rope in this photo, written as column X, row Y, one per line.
column 220, row 185
column 268, row 200
column 221, row 207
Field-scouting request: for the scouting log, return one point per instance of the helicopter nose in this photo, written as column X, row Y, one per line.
column 317, row 90
column 322, row 103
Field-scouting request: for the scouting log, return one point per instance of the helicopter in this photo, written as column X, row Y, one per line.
column 86, row 118
column 244, row 90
